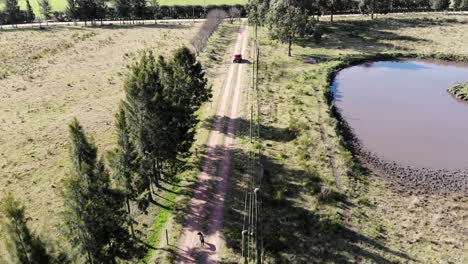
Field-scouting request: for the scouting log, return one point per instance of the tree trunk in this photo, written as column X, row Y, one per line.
column 129, row 215
column 156, row 172
column 289, row 46
column 22, row 243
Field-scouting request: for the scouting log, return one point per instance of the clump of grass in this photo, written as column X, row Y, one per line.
column 459, row 90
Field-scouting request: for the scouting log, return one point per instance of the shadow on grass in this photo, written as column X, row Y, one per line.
column 371, row 36
column 291, row 232
column 267, row 132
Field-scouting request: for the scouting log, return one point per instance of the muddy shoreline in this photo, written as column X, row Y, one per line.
column 405, row 178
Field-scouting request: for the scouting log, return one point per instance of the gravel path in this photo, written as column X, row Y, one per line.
column 200, row 217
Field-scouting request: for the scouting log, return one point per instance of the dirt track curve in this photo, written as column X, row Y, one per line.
column 206, row 208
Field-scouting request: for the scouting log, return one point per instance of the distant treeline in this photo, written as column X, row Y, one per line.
column 98, row 10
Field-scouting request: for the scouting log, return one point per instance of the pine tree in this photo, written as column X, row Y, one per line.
column 46, row 8
column 12, row 11
column 148, row 121
column 125, row 162
column 187, row 90
column 72, row 11
column 30, row 16
column 123, row 8
column 95, row 218
column 138, row 9
column 23, row 246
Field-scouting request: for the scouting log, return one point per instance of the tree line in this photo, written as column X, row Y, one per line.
column 98, row 10
column 155, row 129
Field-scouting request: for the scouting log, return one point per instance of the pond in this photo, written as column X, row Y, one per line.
column 401, row 112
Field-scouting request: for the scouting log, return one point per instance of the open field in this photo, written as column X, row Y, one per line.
column 319, row 204
column 49, row 77
column 61, row 5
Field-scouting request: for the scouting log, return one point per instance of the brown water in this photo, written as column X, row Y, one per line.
column 402, row 112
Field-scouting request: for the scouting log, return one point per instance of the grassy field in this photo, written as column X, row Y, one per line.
column 50, row 76
column 319, row 204
column 61, row 5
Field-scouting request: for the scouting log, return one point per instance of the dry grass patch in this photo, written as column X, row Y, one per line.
column 55, row 75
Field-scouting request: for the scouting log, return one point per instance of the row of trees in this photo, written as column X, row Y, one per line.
column 212, row 22
column 92, row 10
column 155, row 127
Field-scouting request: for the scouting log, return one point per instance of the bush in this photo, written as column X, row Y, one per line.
column 440, row 4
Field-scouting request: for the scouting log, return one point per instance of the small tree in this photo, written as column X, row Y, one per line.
column 46, row 8
column 234, row 13
column 287, row 22
column 30, row 16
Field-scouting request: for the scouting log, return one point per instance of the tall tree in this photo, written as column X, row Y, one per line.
column 23, row 245
column 154, row 9
column 287, row 22
column 87, row 9
column 187, row 89
column 125, row 162
column 30, row 16
column 46, row 8
column 148, row 120
column 258, row 10
column 95, row 218
column 72, row 9
column 12, row 11
column 123, row 8
column 440, row 4
column 139, row 9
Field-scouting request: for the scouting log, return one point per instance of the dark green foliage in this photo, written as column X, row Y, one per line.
column 124, row 161
column 30, row 16
column 95, row 220
column 72, row 11
column 22, row 245
column 12, row 11
column 189, row 90
column 46, row 8
column 440, row 4
column 138, row 9
column 161, row 100
column 147, row 119
column 123, row 8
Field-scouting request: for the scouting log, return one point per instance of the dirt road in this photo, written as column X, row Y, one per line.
column 206, row 208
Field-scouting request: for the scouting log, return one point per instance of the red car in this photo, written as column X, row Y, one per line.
column 237, row 58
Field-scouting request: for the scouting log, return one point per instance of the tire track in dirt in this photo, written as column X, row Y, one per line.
column 325, row 141
column 189, row 250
